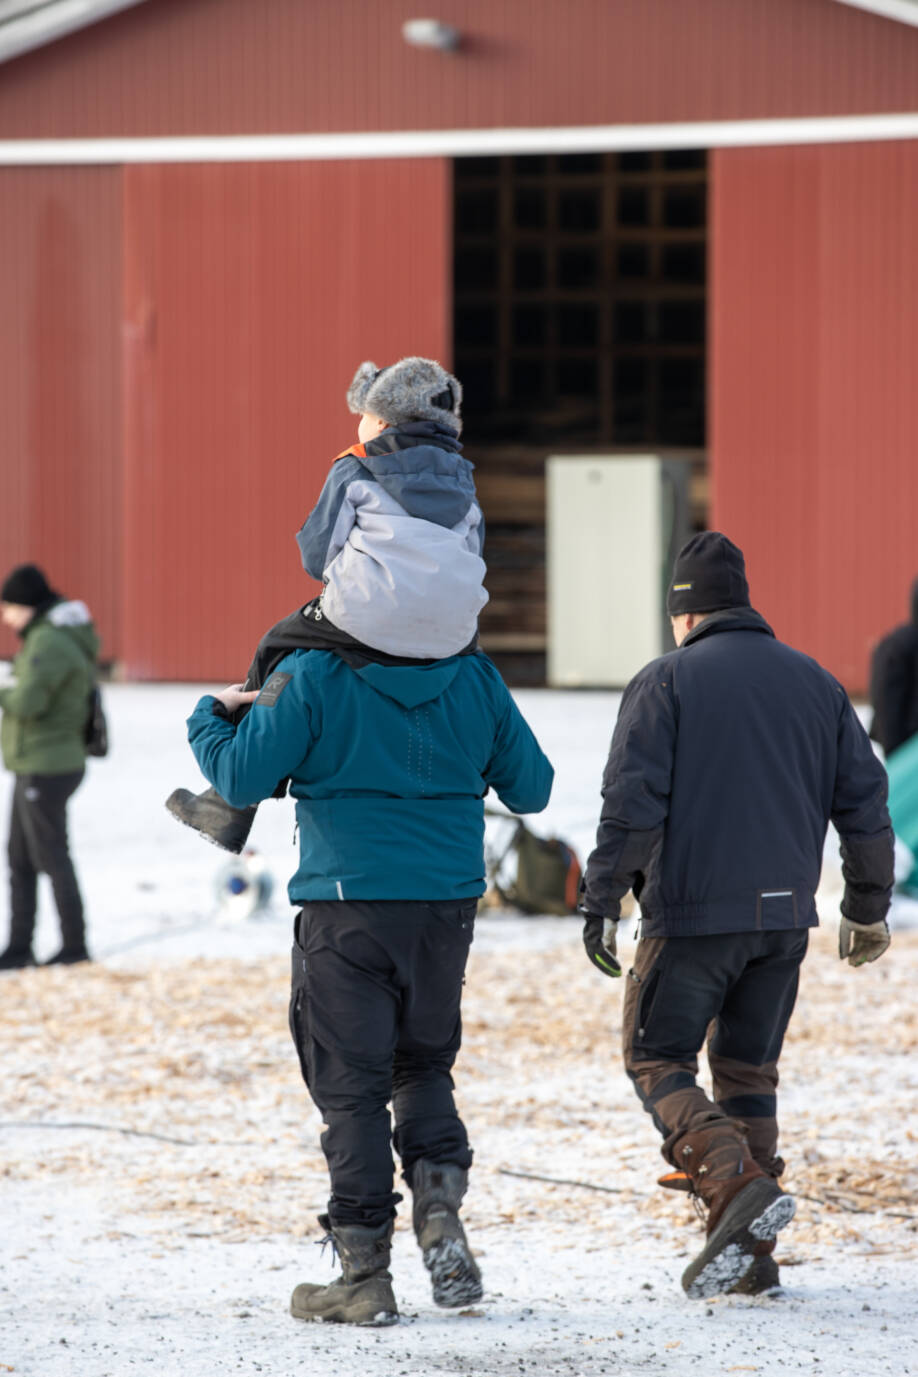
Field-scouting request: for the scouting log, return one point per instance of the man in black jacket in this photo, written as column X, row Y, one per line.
column 730, row 756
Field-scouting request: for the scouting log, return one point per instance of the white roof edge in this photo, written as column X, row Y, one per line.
column 905, row 11
column 44, row 23
column 457, row 143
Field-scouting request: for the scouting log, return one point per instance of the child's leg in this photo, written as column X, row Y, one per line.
column 304, row 629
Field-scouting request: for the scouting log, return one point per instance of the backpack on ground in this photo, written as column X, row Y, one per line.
column 547, row 872
column 95, row 733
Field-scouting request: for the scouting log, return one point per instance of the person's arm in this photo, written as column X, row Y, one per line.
column 636, row 788
column 891, row 690
column 861, row 818
column 244, row 762
column 41, row 668
column 327, row 526
column 518, row 771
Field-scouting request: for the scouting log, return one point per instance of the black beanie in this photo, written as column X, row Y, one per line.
column 27, row 587
column 709, row 574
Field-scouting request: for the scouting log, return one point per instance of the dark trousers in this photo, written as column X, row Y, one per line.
column 38, row 845
column 305, row 629
column 309, row 629
column 739, row 990
column 375, row 1017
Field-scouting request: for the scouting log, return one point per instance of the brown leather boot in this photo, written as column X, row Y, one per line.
column 762, row 1276
column 746, row 1207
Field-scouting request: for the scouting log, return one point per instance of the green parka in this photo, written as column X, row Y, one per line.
column 46, row 705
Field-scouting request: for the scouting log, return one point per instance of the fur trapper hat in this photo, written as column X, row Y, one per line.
column 413, row 389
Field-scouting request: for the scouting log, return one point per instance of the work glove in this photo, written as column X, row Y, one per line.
column 861, row 942
column 599, row 940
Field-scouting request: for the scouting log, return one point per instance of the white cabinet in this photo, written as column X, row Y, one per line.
column 614, row 525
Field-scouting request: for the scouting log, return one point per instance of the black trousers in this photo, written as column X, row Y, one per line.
column 375, row 1017
column 739, row 991
column 38, row 844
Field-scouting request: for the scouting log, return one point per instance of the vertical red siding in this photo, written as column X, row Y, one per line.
column 281, row 66
column 60, row 422
column 251, row 294
column 813, row 403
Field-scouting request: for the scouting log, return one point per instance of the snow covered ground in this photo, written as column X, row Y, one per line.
column 161, row 1170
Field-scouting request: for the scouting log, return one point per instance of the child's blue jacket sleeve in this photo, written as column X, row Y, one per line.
column 316, row 532
column 244, row 763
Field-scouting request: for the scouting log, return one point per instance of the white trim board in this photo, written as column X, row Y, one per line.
column 29, row 24
column 458, row 143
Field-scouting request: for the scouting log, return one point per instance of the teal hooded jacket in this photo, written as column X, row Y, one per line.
column 389, row 766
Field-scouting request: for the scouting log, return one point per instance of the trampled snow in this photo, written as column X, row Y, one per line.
column 161, row 1168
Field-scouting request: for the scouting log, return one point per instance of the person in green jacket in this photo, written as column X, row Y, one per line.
column 43, row 741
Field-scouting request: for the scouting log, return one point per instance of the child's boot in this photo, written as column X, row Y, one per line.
column 213, row 817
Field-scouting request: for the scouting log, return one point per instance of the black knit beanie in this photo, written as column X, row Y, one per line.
column 709, row 574
column 27, row 586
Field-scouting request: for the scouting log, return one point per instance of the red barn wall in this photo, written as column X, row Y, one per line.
column 813, row 403
column 275, row 66
column 252, row 292
column 60, row 399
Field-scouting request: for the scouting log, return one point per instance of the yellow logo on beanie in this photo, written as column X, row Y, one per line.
column 681, row 587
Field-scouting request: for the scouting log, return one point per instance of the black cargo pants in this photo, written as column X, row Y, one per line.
column 38, row 845
column 739, row 990
column 375, row 1016
column 309, row 629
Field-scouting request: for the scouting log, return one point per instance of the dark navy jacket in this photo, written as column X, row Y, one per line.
column 729, row 757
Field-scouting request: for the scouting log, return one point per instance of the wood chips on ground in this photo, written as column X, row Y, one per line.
column 174, row 1094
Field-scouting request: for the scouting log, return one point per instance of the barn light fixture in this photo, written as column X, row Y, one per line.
column 430, row 33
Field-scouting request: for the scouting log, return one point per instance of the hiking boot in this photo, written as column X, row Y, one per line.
column 438, row 1188
column 68, row 956
column 762, row 1276
column 16, row 958
column 363, row 1293
column 213, row 817
column 746, row 1207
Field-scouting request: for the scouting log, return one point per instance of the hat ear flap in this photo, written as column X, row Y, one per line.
column 362, row 381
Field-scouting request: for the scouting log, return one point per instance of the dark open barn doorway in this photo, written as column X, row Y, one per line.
column 580, row 304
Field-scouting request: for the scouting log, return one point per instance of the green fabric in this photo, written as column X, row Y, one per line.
column 45, row 709
column 902, row 768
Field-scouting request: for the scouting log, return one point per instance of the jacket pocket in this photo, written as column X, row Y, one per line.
column 776, row 910
column 647, row 1000
column 298, row 1011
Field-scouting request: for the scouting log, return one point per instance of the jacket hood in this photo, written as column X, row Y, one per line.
column 74, row 618
column 411, row 686
column 415, row 433
column 426, row 479
column 731, row 619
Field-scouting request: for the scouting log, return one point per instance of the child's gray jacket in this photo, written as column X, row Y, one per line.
column 396, row 536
